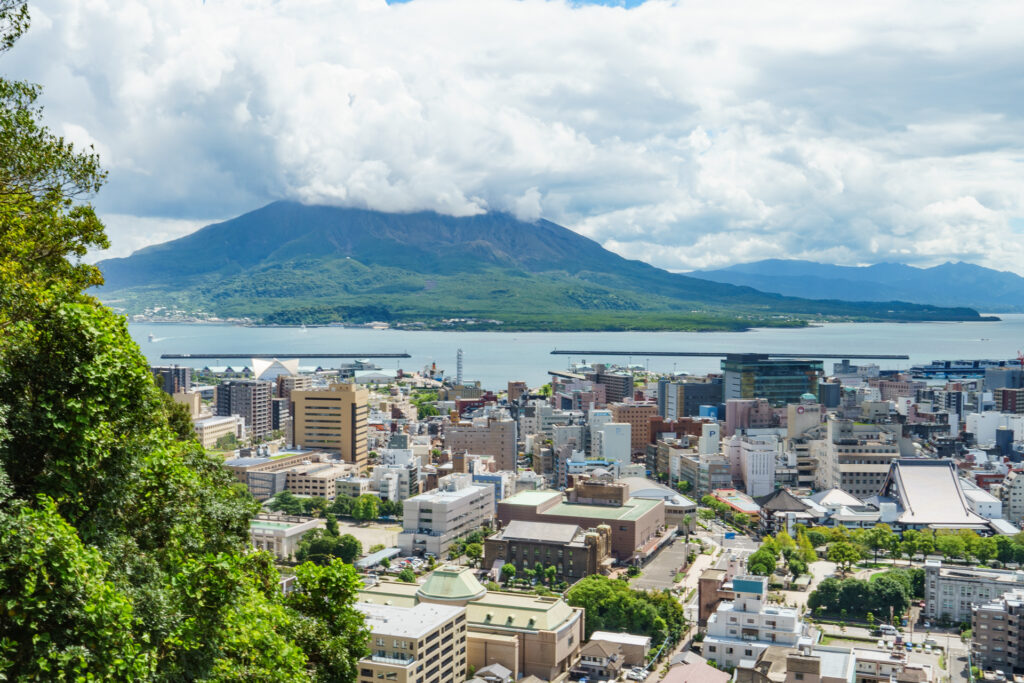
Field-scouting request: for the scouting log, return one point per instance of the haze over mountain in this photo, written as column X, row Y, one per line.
column 949, row 284
column 292, row 263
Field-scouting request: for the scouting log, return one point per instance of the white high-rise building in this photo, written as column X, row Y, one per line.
column 617, row 442
column 758, row 456
column 432, row 520
column 710, row 438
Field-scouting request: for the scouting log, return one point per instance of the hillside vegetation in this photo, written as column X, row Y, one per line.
column 287, row 263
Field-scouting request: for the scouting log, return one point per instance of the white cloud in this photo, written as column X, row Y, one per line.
column 689, row 135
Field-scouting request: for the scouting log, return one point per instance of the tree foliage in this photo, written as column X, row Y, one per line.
column 613, row 606
column 124, row 551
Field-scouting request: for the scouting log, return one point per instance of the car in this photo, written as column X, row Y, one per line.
column 927, row 624
column 881, row 644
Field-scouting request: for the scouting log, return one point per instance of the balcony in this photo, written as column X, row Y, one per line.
column 398, row 661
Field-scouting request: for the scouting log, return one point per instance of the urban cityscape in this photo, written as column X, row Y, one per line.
column 511, row 341
column 781, row 517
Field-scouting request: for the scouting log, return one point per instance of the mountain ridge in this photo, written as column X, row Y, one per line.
column 953, row 283
column 289, row 262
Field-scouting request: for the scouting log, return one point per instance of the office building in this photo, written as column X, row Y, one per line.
column 334, row 420
column 743, row 628
column 432, row 520
column 530, row 635
column 634, row 522
column 210, row 430
column 618, row 385
column 515, row 390
column 778, row 380
column 855, row 457
column 684, row 398
column 174, row 379
column 301, row 472
column 1009, row 400
column 249, row 399
column 574, row 552
column 950, row 592
column 485, row 436
column 638, row 417
column 422, row 643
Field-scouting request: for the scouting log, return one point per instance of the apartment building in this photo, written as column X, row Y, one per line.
column 485, row 436
column 743, row 628
column 334, row 420
column 250, row 399
column 174, row 379
column 997, row 634
column 286, row 384
column 1012, row 494
column 951, row 592
column 432, row 520
column 638, row 417
column 303, row 473
column 424, row 643
column 571, row 550
column 396, row 481
column 618, row 385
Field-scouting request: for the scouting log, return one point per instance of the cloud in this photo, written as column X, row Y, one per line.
column 690, row 135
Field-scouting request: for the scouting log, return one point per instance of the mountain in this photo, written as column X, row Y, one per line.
column 950, row 284
column 288, row 263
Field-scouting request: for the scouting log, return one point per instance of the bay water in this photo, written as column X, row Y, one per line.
column 496, row 358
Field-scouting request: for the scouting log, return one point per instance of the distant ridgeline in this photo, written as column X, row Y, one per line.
column 287, row 263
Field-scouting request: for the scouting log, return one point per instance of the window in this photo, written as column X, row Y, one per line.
column 712, row 648
column 748, row 653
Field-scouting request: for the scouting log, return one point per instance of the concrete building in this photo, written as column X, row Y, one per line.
column 779, row 381
column 530, row 635
column 980, row 501
column 618, row 385
column 421, row 643
column 638, row 417
column 571, row 550
column 308, row 473
column 284, row 385
column 680, row 511
column 633, row 649
column 334, row 420
column 485, row 436
column 249, row 399
column 211, row 429
column 280, row 534
column 615, row 441
column 757, row 457
column 432, row 520
column 997, row 638
column 743, row 628
column 951, row 591
column 1012, row 497
column 174, row 379
column 921, row 493
column 684, row 398
column 396, row 482
column 855, row 457
column 634, row 522
column 749, row 413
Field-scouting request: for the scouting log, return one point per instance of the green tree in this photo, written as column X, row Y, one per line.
column 550, row 574
column 407, row 575
column 985, row 549
column 762, row 562
column 612, row 605
column 879, row 538
column 951, row 547
column 508, row 572
column 365, row 508
column 474, row 551
column 286, row 502
column 844, row 554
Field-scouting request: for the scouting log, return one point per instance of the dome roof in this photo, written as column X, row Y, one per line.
column 451, row 583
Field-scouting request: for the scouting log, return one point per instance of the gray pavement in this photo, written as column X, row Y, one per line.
column 660, row 572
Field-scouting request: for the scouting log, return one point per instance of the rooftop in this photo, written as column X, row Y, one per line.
column 929, row 493
column 540, row 531
column 634, row 509
column 406, row 622
column 624, row 638
column 452, row 583
column 531, row 498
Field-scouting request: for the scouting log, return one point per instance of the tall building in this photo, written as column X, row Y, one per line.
column 333, row 420
column 638, row 416
column 485, row 436
column 779, row 380
column 997, row 638
column 854, row 457
column 515, row 390
column 286, row 384
column 684, row 398
column 618, row 385
column 250, row 399
column 422, row 643
column 174, row 379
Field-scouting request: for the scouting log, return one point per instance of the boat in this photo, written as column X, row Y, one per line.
column 152, row 338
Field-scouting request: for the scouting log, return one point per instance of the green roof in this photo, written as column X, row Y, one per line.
column 531, row 498
column 452, row 584
column 634, row 509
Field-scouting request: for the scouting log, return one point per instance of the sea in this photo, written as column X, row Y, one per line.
column 495, row 358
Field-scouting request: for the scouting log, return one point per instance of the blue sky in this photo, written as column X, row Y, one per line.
column 689, row 134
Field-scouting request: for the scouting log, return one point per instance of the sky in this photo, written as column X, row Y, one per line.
column 690, row 134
